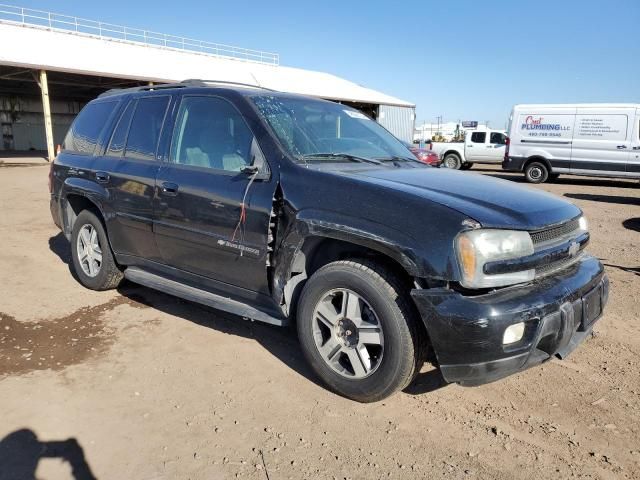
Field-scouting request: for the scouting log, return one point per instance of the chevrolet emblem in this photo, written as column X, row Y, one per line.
column 573, row 249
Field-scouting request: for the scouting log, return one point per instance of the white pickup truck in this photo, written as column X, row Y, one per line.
column 482, row 146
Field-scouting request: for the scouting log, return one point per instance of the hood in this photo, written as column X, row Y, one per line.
column 493, row 202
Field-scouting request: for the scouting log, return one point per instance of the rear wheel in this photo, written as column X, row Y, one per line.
column 452, row 160
column 536, row 172
column 358, row 330
column 93, row 261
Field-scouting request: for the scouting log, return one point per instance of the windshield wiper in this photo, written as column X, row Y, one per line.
column 347, row 156
column 395, row 158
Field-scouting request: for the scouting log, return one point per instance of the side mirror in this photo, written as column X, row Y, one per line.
column 258, row 169
column 258, row 162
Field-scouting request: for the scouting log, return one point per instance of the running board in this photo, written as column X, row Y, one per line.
column 193, row 294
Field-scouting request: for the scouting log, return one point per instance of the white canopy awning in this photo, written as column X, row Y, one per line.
column 50, row 49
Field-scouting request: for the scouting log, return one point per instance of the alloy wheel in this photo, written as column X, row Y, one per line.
column 348, row 334
column 88, row 250
column 451, row 162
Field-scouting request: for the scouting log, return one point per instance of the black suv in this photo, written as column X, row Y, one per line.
column 283, row 208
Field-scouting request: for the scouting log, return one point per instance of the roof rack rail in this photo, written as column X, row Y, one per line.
column 160, row 86
column 196, row 82
column 191, row 82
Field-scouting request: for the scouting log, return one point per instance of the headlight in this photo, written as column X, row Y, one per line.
column 583, row 224
column 475, row 248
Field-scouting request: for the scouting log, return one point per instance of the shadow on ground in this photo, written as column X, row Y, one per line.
column 59, row 245
column 21, row 451
column 634, row 270
column 632, row 224
column 20, row 165
column 426, row 382
column 619, row 199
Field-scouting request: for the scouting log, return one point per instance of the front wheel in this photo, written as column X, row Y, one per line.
column 536, row 172
column 358, row 330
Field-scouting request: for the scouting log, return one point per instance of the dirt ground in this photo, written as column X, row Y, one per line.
column 134, row 384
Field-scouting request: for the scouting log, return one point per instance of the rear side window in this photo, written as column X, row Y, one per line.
column 145, row 128
column 497, row 138
column 119, row 137
column 478, row 137
column 83, row 135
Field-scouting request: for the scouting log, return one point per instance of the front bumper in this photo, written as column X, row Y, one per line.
column 559, row 312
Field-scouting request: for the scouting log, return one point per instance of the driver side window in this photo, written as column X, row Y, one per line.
column 497, row 138
column 210, row 133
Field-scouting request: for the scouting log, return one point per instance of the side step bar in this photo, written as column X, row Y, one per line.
column 137, row 275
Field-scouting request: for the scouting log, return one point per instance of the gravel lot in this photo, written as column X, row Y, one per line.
column 134, row 384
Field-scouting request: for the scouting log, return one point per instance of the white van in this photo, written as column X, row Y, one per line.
column 580, row 139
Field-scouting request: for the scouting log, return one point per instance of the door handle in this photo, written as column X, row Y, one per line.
column 170, row 189
column 102, row 177
column 621, row 147
column 636, row 148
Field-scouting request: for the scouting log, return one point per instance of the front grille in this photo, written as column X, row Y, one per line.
column 551, row 234
column 555, row 266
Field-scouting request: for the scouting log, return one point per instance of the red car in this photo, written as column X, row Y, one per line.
column 425, row 155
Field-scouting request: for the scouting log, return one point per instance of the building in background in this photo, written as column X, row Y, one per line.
column 51, row 65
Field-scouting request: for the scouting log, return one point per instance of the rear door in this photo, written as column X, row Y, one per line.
column 602, row 140
column 476, row 146
column 496, row 147
column 129, row 168
column 633, row 164
column 201, row 225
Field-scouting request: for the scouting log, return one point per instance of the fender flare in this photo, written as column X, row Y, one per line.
column 455, row 152
column 537, row 158
column 93, row 192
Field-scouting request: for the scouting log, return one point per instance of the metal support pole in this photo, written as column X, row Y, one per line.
column 46, row 107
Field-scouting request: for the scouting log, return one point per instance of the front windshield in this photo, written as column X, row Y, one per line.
column 315, row 130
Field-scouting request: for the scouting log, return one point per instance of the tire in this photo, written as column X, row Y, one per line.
column 453, row 161
column 394, row 353
column 536, row 172
column 466, row 166
column 94, row 265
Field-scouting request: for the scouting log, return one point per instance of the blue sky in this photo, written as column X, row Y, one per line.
column 464, row 60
